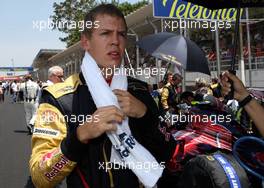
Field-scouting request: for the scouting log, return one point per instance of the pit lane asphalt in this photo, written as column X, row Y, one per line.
column 15, row 145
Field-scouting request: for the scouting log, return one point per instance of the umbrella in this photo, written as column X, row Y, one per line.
column 219, row 4
column 175, row 49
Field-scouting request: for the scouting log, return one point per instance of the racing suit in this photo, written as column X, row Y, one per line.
column 57, row 153
column 169, row 98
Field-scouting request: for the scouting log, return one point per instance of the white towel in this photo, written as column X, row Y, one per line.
column 134, row 154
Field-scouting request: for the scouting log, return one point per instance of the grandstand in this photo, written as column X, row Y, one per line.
column 141, row 23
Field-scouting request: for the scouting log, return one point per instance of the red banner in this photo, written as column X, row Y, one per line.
column 3, row 78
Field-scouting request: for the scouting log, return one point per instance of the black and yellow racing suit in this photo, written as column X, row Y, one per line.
column 169, row 97
column 57, row 153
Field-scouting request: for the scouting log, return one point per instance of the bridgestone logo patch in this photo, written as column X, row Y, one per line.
column 46, row 132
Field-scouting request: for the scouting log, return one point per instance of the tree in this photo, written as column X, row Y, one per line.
column 68, row 13
column 127, row 8
column 68, row 16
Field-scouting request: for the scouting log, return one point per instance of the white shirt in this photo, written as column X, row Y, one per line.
column 14, row 87
column 5, row 84
column 30, row 89
column 49, row 83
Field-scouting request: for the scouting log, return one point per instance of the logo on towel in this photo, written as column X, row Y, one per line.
column 128, row 143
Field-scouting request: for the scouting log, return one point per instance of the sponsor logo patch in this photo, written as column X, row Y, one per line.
column 48, row 116
column 49, row 156
column 210, row 158
column 46, row 132
column 66, row 89
column 56, row 168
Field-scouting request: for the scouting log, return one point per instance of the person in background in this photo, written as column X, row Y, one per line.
column 5, row 87
column 252, row 107
column 201, row 89
column 187, row 97
column 55, row 75
column 169, row 95
column 1, row 92
column 20, row 97
column 155, row 94
column 14, row 91
column 30, row 92
column 39, row 82
column 216, row 88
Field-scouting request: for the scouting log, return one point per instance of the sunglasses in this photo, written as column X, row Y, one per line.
column 59, row 76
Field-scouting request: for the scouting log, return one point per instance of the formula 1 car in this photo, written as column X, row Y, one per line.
column 213, row 148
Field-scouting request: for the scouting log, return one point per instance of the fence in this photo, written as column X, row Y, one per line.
column 256, row 63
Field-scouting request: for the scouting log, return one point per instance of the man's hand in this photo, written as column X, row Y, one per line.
column 129, row 104
column 104, row 119
column 240, row 92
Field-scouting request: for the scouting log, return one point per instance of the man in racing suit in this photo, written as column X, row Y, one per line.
column 170, row 92
column 70, row 141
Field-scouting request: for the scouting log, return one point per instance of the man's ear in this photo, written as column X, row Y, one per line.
column 85, row 43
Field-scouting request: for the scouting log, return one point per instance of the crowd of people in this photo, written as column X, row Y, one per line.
column 15, row 89
column 28, row 92
column 9, row 87
column 168, row 96
column 207, row 44
column 123, row 124
column 120, row 115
